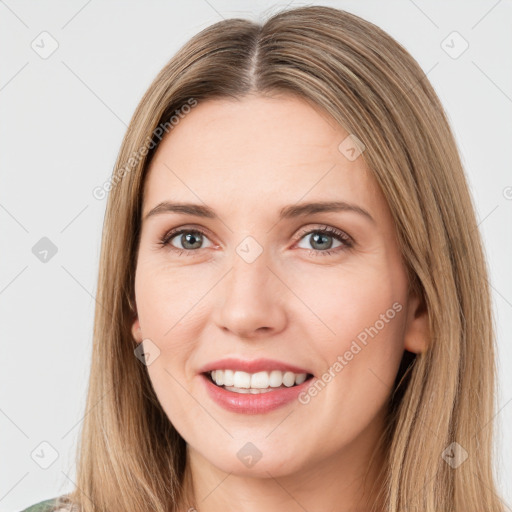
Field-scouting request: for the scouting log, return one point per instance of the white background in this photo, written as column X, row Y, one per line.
column 62, row 122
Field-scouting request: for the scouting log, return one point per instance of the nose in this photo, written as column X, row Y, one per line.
column 251, row 299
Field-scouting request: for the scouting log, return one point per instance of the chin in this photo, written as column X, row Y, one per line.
column 258, row 459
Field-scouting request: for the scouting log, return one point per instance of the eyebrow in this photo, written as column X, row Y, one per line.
column 287, row 212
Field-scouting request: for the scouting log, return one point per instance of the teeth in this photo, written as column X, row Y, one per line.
column 275, row 378
column 229, row 377
column 256, row 381
column 240, row 379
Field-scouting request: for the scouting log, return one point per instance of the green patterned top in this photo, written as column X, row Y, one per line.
column 44, row 506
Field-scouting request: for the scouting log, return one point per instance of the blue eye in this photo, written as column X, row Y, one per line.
column 192, row 239
column 321, row 237
column 189, row 237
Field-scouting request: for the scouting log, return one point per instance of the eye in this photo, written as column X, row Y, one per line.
column 321, row 240
column 189, row 239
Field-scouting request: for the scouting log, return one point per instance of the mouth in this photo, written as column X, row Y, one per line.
column 242, row 382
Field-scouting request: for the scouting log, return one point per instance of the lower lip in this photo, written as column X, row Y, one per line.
column 247, row 403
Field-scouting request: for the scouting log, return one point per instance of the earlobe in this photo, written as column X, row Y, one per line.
column 136, row 330
column 417, row 332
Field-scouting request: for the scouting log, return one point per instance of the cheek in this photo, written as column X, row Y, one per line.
column 175, row 395
column 166, row 295
column 168, row 313
column 362, row 319
column 166, row 309
column 348, row 300
column 360, row 360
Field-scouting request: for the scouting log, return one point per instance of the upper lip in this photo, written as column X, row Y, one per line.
column 256, row 365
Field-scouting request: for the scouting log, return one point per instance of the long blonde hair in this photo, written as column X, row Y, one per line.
column 130, row 457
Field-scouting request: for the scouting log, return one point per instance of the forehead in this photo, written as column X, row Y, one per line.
column 255, row 151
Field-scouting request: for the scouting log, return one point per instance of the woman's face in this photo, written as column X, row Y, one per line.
column 254, row 284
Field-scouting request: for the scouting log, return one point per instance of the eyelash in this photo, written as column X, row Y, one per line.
column 335, row 233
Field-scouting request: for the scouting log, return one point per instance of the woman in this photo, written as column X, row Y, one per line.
column 239, row 363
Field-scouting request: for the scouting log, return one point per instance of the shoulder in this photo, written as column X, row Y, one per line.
column 51, row 505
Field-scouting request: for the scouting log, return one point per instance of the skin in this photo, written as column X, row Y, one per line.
column 247, row 159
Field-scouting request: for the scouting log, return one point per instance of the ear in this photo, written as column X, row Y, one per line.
column 417, row 332
column 136, row 330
